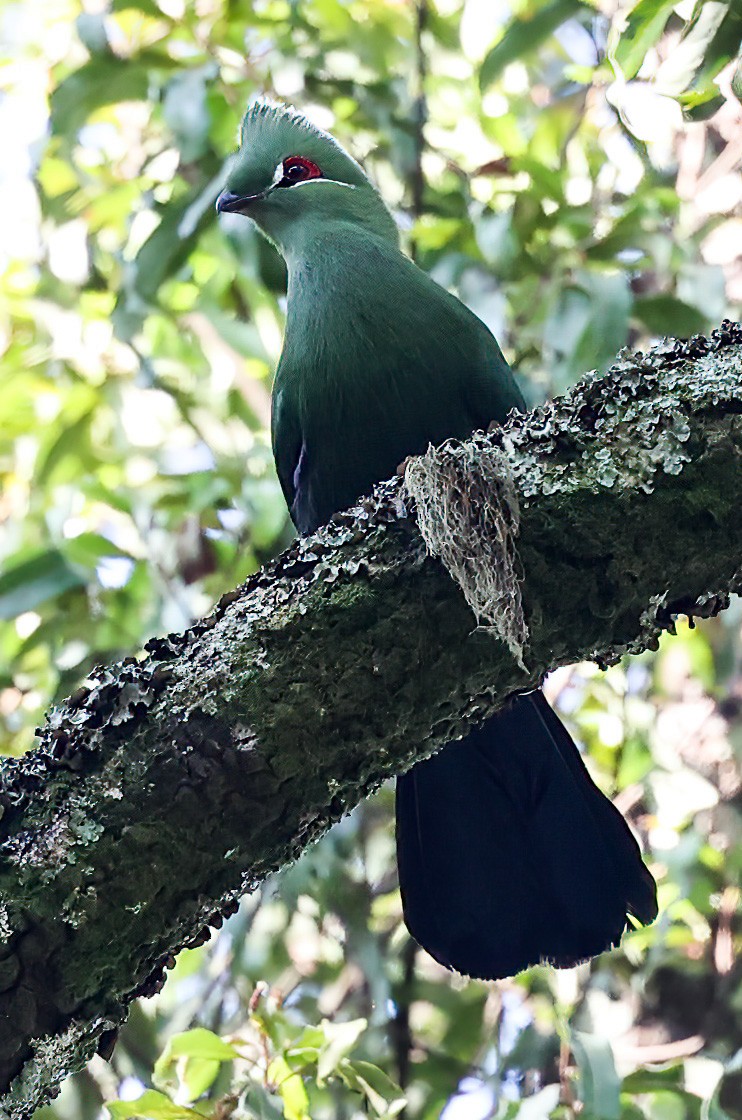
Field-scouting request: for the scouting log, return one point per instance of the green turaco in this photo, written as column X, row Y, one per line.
column 508, row 854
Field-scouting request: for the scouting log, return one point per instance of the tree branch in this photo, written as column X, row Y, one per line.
column 166, row 787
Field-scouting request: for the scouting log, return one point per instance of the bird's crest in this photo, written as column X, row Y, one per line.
column 271, row 131
column 266, row 113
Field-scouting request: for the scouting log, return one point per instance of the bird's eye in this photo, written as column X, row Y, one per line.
column 296, row 169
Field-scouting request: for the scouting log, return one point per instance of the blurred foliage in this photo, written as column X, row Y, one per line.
column 571, row 170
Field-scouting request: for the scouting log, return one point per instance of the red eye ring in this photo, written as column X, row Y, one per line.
column 297, row 169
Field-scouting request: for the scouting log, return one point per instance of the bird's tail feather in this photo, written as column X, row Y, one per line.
column 510, row 855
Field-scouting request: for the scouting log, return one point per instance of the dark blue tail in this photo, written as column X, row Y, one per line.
column 509, row 855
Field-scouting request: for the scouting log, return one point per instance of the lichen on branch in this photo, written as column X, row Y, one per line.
column 163, row 787
column 467, row 510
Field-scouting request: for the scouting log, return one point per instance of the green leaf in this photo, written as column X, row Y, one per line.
column 588, row 323
column 91, row 30
column 262, row 1104
column 524, row 35
column 241, row 336
column 709, row 41
column 67, row 451
column 103, row 80
column 646, row 23
column 664, row 315
column 290, row 1088
column 301, row 1057
column 384, row 1095
column 310, row 1041
column 195, row 1057
column 151, row 1106
column 599, row 1084
column 701, row 105
column 340, row 1038
column 550, row 183
column 652, row 1080
column 674, row 1104
column 87, row 549
column 35, row 580
column 196, row 1076
column 186, row 112
column 200, row 1043
column 607, row 326
column 168, row 246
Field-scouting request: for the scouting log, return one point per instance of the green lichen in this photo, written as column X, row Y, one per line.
column 467, row 509
column 195, row 773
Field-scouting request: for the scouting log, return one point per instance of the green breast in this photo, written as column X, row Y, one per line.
column 378, row 362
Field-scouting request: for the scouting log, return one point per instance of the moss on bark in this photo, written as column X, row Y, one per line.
column 165, row 787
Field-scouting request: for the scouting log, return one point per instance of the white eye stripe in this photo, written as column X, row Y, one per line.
column 324, row 179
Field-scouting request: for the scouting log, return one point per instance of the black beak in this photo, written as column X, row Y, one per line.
column 229, row 203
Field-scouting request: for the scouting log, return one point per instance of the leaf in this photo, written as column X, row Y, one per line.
column 384, row 1095
column 607, row 326
column 301, row 1057
column 196, row 1076
column 549, row 182
column 186, row 112
column 103, row 80
column 701, row 105
column 307, row 1045
column 541, row 1105
column 66, row 452
column 599, row 1084
column 35, row 580
column 340, row 1038
column 646, row 22
column 200, row 1043
column 151, row 1106
column 169, row 245
column 652, row 1080
column 709, row 40
column 669, row 315
column 195, row 1057
column 91, row 30
column 262, row 1105
column 588, row 323
column 674, row 1104
column 87, row 550
column 290, row 1088
column 523, row 36
column 702, row 286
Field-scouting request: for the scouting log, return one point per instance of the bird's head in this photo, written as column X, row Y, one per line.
column 293, row 180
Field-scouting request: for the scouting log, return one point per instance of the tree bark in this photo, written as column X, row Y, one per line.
column 165, row 787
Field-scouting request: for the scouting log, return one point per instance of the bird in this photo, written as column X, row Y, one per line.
column 508, row 854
